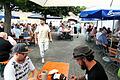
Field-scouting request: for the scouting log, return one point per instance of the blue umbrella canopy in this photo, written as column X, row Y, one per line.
column 35, row 16
column 103, row 14
column 38, row 16
column 13, row 17
column 89, row 19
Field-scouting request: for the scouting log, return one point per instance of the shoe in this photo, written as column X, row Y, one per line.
column 43, row 60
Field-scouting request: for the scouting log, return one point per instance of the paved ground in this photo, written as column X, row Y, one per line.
column 61, row 51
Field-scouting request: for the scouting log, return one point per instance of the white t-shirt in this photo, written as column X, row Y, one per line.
column 98, row 34
column 42, row 33
column 11, row 40
column 16, row 71
column 17, row 32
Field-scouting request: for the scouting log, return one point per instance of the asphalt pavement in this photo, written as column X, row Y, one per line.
column 62, row 50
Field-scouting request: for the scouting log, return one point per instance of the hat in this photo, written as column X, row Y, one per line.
column 21, row 48
column 82, row 50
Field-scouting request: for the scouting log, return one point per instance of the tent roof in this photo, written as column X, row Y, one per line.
column 86, row 3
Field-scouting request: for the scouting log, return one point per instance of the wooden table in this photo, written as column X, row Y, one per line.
column 60, row 66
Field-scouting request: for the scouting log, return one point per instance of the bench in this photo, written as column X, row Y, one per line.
column 22, row 40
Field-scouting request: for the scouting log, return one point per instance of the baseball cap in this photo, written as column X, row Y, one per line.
column 82, row 50
column 21, row 48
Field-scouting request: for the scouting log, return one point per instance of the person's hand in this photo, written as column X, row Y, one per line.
column 73, row 77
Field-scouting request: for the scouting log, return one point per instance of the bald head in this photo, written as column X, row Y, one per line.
column 3, row 35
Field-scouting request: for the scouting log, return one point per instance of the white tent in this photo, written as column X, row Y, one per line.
column 87, row 3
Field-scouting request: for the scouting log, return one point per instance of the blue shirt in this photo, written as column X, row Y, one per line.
column 103, row 39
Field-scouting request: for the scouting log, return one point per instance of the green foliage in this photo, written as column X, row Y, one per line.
column 28, row 6
column 61, row 11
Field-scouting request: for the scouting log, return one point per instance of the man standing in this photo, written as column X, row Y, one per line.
column 77, row 25
column 42, row 37
column 85, row 58
column 20, row 64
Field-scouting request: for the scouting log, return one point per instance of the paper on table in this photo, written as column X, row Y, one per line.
column 53, row 71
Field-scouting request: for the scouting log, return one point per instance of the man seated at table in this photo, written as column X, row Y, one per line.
column 20, row 64
column 5, row 47
column 85, row 58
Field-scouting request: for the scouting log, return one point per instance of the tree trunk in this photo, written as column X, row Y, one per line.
column 45, row 16
column 7, row 18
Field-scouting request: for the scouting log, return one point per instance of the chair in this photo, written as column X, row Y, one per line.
column 112, row 51
column 111, row 63
column 2, row 66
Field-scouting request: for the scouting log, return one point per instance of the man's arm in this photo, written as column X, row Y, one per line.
column 36, row 39
column 36, row 34
column 50, row 36
column 33, row 75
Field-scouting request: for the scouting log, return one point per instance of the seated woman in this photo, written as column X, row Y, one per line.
column 5, row 47
column 61, row 29
column 26, row 35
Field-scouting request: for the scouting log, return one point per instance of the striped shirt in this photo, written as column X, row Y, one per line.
column 16, row 71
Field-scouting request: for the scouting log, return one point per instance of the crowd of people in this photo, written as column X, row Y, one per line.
column 103, row 35
column 19, row 64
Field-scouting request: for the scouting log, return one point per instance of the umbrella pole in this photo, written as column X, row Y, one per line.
column 113, row 26
column 101, row 23
column 97, row 23
column 112, row 31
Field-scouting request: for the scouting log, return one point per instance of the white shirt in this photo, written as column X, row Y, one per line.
column 42, row 33
column 11, row 40
column 17, row 32
column 98, row 34
column 16, row 71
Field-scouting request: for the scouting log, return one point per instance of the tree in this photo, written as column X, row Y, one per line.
column 26, row 5
column 8, row 7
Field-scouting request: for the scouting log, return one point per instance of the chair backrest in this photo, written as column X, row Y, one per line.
column 112, row 51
